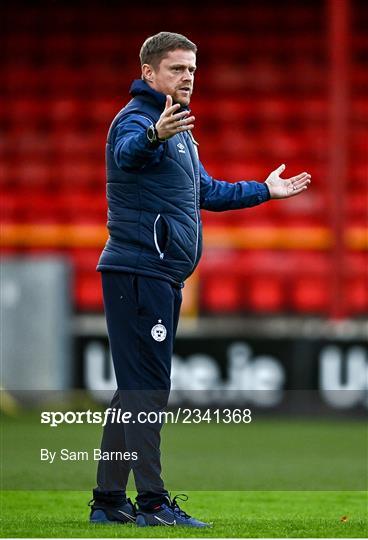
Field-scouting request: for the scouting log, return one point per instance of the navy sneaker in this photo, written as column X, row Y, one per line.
column 107, row 513
column 168, row 515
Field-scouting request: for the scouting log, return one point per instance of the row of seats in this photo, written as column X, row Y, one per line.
column 273, row 282
column 221, row 159
column 256, row 77
column 258, row 295
column 241, row 131
column 71, row 22
column 262, row 294
column 65, row 207
column 242, row 264
column 69, row 204
column 284, row 108
column 255, row 282
column 287, row 263
column 58, row 172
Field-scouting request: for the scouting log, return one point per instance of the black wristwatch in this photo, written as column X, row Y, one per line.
column 152, row 135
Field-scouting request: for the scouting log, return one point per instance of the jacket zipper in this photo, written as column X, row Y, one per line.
column 161, row 254
column 195, row 205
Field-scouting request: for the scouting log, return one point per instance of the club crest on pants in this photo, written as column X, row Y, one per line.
column 158, row 331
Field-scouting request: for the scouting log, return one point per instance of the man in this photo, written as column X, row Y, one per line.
column 156, row 186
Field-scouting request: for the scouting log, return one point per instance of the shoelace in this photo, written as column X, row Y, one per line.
column 176, row 508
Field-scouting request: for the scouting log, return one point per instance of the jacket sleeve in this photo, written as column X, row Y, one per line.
column 219, row 195
column 132, row 150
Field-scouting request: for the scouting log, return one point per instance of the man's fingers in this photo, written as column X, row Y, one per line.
column 171, row 120
column 170, row 110
column 188, row 122
column 184, row 120
column 300, row 180
column 179, row 116
column 297, row 191
column 280, row 169
column 179, row 123
column 299, row 177
column 168, row 101
column 303, row 182
column 299, row 187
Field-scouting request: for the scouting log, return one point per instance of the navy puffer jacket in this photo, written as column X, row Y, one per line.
column 155, row 192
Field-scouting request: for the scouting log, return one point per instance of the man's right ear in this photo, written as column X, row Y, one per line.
column 147, row 73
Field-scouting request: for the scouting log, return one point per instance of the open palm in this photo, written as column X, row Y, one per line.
column 281, row 188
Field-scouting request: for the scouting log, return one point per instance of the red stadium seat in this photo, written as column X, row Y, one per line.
column 32, row 174
column 221, row 294
column 29, row 144
column 42, row 208
column 356, row 264
column 356, row 296
column 66, row 111
column 84, row 207
column 27, row 110
column 87, row 281
column 80, row 174
column 219, row 285
column 357, row 206
column 11, row 207
column 310, row 295
column 264, row 294
column 88, row 291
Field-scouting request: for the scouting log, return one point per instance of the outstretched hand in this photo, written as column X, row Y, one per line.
column 281, row 188
column 169, row 123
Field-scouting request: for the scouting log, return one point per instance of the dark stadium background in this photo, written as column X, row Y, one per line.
column 278, row 82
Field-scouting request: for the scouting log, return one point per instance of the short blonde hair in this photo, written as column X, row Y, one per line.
column 156, row 47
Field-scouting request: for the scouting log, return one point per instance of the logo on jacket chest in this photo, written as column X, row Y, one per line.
column 181, row 148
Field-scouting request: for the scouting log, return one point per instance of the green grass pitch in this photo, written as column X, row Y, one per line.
column 234, row 514
column 275, row 478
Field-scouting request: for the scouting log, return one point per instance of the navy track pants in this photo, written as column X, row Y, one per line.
column 142, row 315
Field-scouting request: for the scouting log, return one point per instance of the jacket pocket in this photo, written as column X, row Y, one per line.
column 161, row 235
column 135, row 290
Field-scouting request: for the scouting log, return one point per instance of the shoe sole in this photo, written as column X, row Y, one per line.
column 140, row 522
column 99, row 516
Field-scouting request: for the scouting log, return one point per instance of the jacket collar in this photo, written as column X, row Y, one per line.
column 141, row 88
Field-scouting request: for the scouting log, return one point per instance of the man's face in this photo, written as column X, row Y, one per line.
column 174, row 75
